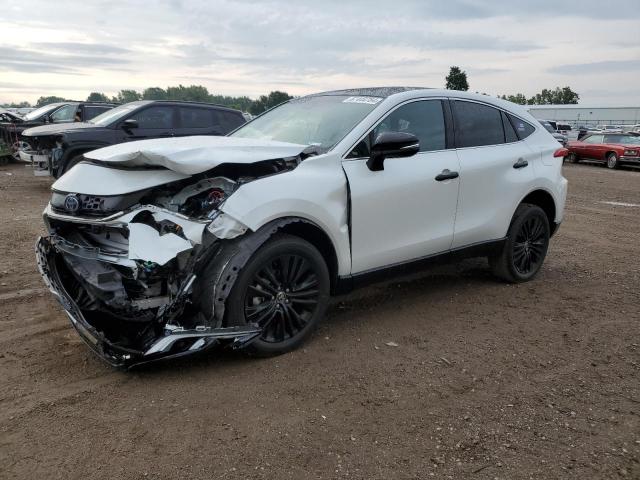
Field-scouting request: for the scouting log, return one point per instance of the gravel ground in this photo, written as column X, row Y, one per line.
column 487, row 380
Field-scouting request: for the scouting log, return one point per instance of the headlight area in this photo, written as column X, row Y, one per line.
column 126, row 279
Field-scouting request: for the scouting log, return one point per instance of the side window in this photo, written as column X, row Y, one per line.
column 477, row 124
column 594, row 139
column 198, row 117
column 154, row 117
column 523, row 129
column 424, row 119
column 510, row 134
column 229, row 121
column 64, row 114
column 614, row 138
column 91, row 111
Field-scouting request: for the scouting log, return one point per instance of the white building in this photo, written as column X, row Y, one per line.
column 576, row 115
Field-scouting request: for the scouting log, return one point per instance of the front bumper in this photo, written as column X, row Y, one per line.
column 174, row 343
column 629, row 160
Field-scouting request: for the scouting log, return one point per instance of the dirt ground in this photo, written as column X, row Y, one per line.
column 487, row 381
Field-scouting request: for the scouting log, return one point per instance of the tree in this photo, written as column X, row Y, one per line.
column 558, row 96
column 154, row 93
column 126, row 96
column 97, row 97
column 47, row 100
column 265, row 102
column 518, row 98
column 457, row 79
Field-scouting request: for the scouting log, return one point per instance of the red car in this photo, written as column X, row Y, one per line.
column 614, row 149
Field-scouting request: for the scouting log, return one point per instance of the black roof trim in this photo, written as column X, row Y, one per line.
column 190, row 102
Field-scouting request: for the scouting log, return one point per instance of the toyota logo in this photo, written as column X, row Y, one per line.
column 72, row 203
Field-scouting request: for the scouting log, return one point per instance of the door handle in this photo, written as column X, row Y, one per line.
column 446, row 175
column 521, row 163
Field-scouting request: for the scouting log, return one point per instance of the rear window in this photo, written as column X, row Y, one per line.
column 93, row 111
column 477, row 124
column 523, row 129
column 229, row 121
column 198, row 117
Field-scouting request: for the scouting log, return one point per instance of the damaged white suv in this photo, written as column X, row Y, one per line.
column 165, row 247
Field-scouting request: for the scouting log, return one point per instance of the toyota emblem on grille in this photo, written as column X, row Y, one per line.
column 72, row 203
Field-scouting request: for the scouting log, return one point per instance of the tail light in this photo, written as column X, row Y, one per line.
column 561, row 153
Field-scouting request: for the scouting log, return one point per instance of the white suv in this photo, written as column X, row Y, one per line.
column 165, row 247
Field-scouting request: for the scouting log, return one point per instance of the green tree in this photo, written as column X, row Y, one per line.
column 97, row 97
column 558, row 96
column 518, row 98
column 154, row 93
column 265, row 102
column 457, row 79
column 126, row 96
column 50, row 99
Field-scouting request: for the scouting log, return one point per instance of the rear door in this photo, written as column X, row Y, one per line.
column 403, row 213
column 155, row 121
column 495, row 170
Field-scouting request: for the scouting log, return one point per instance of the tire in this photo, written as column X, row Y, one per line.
column 526, row 246
column 612, row 161
column 572, row 158
column 284, row 288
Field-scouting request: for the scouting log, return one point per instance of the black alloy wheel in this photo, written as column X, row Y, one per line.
column 530, row 246
column 282, row 297
column 284, row 289
column 525, row 247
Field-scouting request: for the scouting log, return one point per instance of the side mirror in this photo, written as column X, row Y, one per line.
column 392, row 145
column 47, row 118
column 129, row 124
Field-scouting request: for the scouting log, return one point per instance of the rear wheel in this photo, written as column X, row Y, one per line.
column 284, row 289
column 572, row 158
column 526, row 246
column 612, row 160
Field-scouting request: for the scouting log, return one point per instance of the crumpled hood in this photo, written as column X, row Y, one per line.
column 192, row 155
column 57, row 128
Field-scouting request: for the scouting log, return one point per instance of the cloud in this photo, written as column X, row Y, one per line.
column 47, row 60
column 605, row 67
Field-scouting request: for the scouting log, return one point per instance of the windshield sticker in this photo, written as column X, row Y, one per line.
column 366, row 100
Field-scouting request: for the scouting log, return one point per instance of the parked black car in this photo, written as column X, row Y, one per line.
column 57, row 148
column 54, row 113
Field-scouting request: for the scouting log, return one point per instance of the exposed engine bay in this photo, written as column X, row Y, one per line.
column 134, row 271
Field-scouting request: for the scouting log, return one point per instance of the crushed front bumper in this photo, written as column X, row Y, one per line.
column 40, row 162
column 176, row 342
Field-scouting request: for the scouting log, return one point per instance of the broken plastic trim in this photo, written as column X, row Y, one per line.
column 176, row 342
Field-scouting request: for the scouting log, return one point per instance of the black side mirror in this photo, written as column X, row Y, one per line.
column 129, row 124
column 46, row 118
column 392, row 145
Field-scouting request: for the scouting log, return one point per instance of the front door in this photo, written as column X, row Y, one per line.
column 156, row 121
column 403, row 212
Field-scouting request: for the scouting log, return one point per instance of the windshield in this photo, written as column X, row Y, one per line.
column 42, row 110
column 115, row 114
column 321, row 120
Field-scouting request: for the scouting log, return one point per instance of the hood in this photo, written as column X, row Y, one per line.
column 57, row 129
column 192, row 155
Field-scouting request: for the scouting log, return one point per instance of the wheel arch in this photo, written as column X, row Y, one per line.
column 543, row 199
column 316, row 236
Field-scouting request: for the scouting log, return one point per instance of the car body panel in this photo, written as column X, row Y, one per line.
column 90, row 179
column 191, row 155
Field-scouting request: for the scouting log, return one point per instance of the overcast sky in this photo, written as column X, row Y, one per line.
column 245, row 47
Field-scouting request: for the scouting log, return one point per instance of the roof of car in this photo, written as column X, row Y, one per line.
column 189, row 102
column 370, row 91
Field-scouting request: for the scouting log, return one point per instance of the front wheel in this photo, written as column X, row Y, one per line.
column 526, row 246
column 572, row 158
column 612, row 161
column 283, row 289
